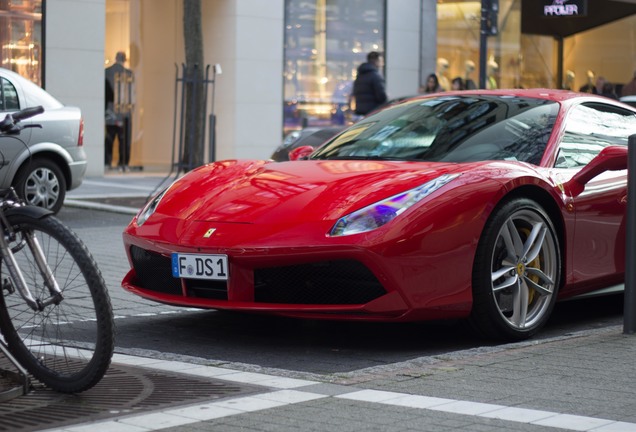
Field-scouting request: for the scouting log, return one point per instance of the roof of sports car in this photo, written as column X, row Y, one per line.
column 543, row 93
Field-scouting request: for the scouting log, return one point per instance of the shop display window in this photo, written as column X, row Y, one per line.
column 21, row 37
column 519, row 60
column 458, row 38
column 325, row 42
column 513, row 60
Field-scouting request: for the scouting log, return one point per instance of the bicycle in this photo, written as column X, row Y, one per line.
column 56, row 317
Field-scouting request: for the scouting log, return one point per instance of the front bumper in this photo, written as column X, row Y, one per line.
column 312, row 286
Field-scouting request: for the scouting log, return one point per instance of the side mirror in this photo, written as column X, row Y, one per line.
column 613, row 158
column 300, row 152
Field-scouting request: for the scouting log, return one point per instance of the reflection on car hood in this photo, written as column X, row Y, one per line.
column 270, row 193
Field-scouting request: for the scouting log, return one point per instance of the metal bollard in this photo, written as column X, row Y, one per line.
column 629, row 311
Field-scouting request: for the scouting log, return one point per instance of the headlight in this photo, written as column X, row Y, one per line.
column 382, row 212
column 150, row 208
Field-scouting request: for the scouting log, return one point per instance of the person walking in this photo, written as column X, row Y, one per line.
column 368, row 88
column 114, row 125
column 120, row 79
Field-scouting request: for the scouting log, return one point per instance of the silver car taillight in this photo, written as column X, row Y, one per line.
column 80, row 138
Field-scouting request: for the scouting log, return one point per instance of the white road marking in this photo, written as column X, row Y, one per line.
column 288, row 391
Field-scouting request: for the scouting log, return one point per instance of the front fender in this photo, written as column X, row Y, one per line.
column 30, row 211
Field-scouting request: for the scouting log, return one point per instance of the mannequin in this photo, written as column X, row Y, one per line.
column 588, row 87
column 493, row 68
column 442, row 69
column 468, row 81
column 568, row 82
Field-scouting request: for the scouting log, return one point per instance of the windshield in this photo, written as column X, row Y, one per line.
column 452, row 128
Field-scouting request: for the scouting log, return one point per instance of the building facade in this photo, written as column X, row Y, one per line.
column 289, row 63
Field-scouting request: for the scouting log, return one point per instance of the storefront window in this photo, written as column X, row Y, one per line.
column 518, row 60
column 325, row 42
column 458, row 46
column 458, row 41
column 605, row 52
column 513, row 60
column 21, row 37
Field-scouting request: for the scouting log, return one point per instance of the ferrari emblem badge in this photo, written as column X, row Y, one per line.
column 209, row 233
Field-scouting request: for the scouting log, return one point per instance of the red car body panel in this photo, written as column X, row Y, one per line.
column 265, row 215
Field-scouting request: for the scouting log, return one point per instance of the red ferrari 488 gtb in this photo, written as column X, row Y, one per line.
column 485, row 205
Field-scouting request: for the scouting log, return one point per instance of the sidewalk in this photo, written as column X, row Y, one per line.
column 580, row 382
column 114, row 192
column 584, row 381
column 121, row 193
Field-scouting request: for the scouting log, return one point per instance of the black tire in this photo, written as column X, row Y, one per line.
column 516, row 272
column 41, row 183
column 68, row 346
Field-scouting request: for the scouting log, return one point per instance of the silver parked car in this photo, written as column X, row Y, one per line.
column 52, row 160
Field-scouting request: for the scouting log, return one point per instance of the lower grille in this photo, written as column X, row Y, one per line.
column 154, row 271
column 341, row 282
column 337, row 282
column 208, row 289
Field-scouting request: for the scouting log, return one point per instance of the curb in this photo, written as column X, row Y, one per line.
column 99, row 206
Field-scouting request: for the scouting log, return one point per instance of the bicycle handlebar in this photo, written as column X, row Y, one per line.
column 9, row 124
column 27, row 112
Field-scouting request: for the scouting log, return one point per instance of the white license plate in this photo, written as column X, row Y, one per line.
column 199, row 266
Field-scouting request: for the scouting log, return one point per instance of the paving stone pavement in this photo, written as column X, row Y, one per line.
column 583, row 381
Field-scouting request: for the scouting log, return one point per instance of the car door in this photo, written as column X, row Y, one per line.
column 596, row 256
column 10, row 147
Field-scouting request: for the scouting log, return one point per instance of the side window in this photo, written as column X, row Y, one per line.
column 590, row 128
column 8, row 96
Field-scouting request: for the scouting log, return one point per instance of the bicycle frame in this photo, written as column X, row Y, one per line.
column 30, row 283
column 6, row 253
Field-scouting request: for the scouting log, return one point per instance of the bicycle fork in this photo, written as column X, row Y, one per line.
column 18, row 278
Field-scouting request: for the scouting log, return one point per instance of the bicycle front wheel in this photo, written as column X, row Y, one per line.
column 67, row 346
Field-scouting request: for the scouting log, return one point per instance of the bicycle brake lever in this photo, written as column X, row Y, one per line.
column 12, row 130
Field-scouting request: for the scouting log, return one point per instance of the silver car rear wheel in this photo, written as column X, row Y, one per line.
column 42, row 184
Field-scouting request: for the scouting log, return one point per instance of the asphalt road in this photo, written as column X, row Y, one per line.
column 301, row 347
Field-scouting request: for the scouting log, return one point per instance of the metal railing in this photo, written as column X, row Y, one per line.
column 629, row 312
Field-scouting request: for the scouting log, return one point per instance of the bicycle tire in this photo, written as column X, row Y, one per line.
column 67, row 347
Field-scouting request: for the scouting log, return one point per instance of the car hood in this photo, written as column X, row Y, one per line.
column 254, row 192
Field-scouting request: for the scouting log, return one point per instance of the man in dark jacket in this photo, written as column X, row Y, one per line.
column 368, row 88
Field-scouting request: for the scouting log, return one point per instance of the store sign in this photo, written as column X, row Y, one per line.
column 567, row 8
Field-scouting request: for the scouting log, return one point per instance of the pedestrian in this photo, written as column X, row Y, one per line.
column 458, row 84
column 368, row 88
column 432, row 85
column 114, row 124
column 121, row 81
column 600, row 85
column 608, row 90
column 630, row 87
